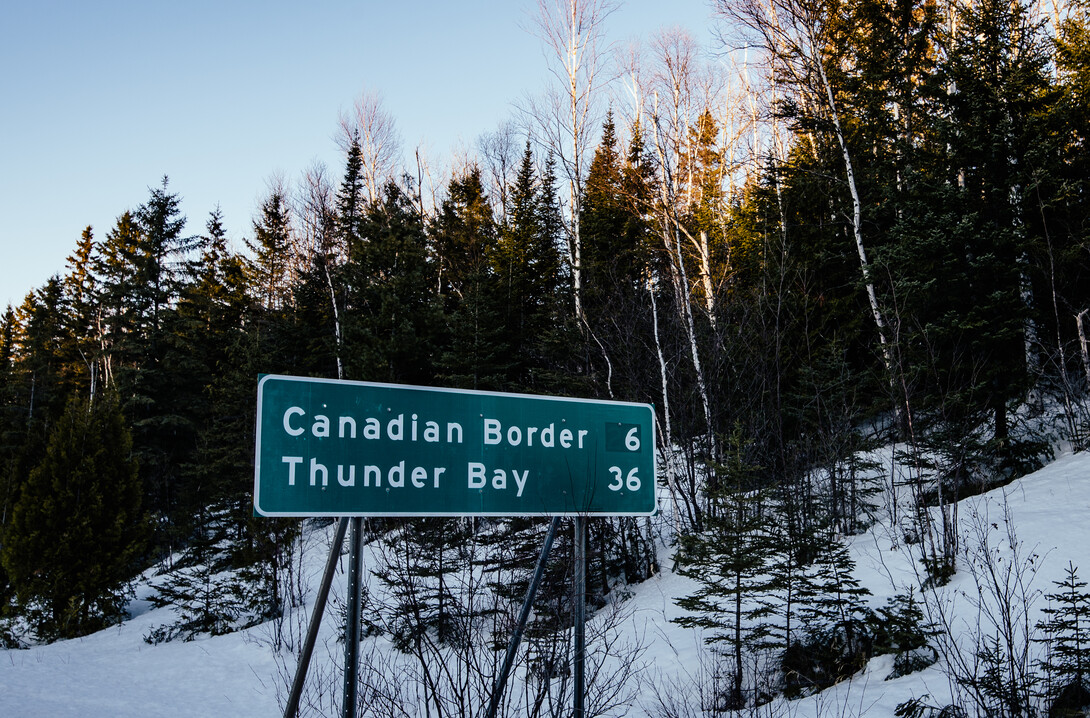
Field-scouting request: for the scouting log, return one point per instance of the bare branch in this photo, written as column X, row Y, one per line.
column 380, row 141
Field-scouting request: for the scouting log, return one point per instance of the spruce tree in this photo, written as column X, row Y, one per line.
column 78, row 529
column 464, row 239
column 833, row 616
column 606, row 259
column 115, row 267
column 209, row 325
column 425, row 561
column 394, row 327
column 11, row 425
column 271, row 248
column 731, row 562
column 83, row 315
column 996, row 75
column 350, row 201
column 1067, row 634
column 526, row 264
column 154, row 381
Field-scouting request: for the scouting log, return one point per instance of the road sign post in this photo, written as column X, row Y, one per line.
column 341, row 448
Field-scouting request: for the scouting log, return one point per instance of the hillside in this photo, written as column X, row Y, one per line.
column 116, row 673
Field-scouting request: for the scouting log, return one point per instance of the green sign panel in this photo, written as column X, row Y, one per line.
column 343, row 448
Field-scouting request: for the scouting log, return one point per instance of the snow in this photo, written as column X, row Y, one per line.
column 116, row 673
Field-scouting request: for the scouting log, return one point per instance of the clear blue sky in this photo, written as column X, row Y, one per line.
column 99, row 100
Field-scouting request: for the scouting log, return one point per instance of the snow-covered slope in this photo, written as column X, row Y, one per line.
column 115, row 673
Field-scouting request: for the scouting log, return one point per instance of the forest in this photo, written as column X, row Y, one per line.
column 858, row 224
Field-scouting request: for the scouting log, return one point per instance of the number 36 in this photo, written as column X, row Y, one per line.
column 632, row 481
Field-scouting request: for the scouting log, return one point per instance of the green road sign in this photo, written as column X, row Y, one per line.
column 344, row 448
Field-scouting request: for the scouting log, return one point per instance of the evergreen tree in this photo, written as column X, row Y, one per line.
column 394, row 328
column 42, row 366
column 350, row 199
column 995, row 75
column 11, row 434
column 155, row 288
column 606, row 258
column 115, row 269
column 209, row 326
column 731, row 562
column 1062, row 189
column 425, row 561
column 78, row 528
column 614, row 239
column 526, row 266
column 271, row 248
column 901, row 628
column 464, row 238
column 82, row 312
column 1067, row 633
column 833, row 614
column 153, row 373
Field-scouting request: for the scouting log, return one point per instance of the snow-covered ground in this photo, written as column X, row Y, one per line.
column 116, row 673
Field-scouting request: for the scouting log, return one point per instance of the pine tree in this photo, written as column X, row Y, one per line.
column 731, row 562
column 78, row 528
column 601, row 225
column 209, row 325
column 153, row 378
column 464, row 238
column 271, row 248
column 901, row 628
column 833, row 614
column 425, row 560
column 11, row 425
column 995, row 72
column 82, row 310
column 1062, row 188
column 350, row 199
column 526, row 264
column 161, row 225
column 394, row 328
column 115, row 269
column 42, row 366
column 1067, row 634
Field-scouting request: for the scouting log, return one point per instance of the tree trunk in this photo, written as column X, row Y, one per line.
column 1083, row 345
column 857, row 216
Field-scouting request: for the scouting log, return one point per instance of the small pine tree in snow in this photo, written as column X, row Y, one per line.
column 1067, row 636
column 901, row 628
column 731, row 562
column 833, row 614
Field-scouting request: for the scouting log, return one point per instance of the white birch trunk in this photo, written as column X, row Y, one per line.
column 666, row 437
column 704, row 251
column 1083, row 344
column 672, row 241
column 336, row 316
column 857, row 217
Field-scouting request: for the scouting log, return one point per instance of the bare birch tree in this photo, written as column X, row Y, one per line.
column 564, row 119
column 670, row 122
column 379, row 140
column 321, row 243
column 790, row 32
column 500, row 153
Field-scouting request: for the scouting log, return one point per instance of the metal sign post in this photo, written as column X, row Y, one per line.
column 315, row 621
column 351, row 449
column 520, row 625
column 352, row 622
column 580, row 610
